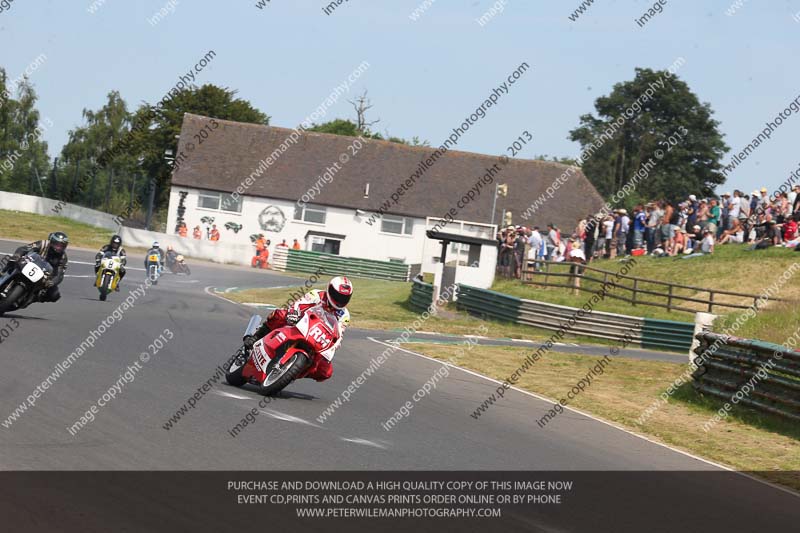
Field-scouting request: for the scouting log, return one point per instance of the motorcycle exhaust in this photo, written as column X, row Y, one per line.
column 252, row 326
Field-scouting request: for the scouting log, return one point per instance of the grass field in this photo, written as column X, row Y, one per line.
column 30, row 227
column 382, row 304
column 746, row 440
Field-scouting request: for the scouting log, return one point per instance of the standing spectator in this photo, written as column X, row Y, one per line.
column 198, row 233
column 214, row 237
column 725, row 204
column 589, row 239
column 735, row 208
column 654, row 226
column 296, row 245
column 520, row 243
column 536, row 241
column 608, row 235
column 714, row 214
column 702, row 214
column 623, row 226
column 283, row 244
column 667, row 229
column 639, row 226
column 793, row 196
column 691, row 211
column 553, row 241
column 183, row 231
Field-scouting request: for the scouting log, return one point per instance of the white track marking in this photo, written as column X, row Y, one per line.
column 231, row 395
column 288, row 418
column 620, row 428
column 76, row 276
column 365, row 442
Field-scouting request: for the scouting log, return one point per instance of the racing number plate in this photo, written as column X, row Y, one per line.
column 153, row 259
column 32, row 272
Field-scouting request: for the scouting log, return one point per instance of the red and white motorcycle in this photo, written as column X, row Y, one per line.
column 284, row 354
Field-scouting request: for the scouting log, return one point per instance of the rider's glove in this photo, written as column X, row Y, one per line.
column 292, row 316
column 249, row 341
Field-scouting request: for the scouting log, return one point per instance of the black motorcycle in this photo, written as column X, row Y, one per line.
column 23, row 282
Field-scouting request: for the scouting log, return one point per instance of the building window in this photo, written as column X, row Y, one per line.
column 217, row 201
column 397, row 225
column 208, row 201
column 231, row 204
column 310, row 213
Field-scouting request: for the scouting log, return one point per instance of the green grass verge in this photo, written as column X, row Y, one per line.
column 29, row 227
column 380, row 304
column 747, row 440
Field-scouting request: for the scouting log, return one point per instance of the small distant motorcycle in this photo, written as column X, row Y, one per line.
column 153, row 268
column 20, row 285
column 108, row 277
column 179, row 266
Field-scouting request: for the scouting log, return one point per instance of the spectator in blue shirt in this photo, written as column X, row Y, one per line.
column 639, row 225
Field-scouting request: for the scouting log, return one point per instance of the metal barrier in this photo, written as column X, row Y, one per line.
column 286, row 259
column 649, row 333
column 758, row 374
column 421, row 295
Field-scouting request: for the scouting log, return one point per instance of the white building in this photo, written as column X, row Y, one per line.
column 327, row 191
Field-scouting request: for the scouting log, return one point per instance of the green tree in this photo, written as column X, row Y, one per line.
column 659, row 115
column 23, row 153
column 85, row 177
column 115, row 147
column 156, row 128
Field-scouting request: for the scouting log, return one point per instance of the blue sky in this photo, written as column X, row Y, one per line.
column 425, row 76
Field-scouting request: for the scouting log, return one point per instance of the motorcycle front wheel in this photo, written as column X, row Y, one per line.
column 233, row 372
column 17, row 292
column 279, row 376
column 104, row 290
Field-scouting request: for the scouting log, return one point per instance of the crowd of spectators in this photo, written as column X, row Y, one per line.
column 690, row 228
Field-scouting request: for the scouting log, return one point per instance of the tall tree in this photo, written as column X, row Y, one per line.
column 23, row 153
column 156, row 128
column 655, row 114
column 115, row 146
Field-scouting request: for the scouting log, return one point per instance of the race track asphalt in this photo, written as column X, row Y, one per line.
column 129, row 434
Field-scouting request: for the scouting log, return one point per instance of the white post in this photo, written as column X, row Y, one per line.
column 437, row 284
column 702, row 322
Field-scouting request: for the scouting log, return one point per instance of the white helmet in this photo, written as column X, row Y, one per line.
column 339, row 292
column 155, row 244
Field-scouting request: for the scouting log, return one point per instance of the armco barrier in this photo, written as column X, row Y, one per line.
column 333, row 265
column 758, row 374
column 421, row 295
column 649, row 333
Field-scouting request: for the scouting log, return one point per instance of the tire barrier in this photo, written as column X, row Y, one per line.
column 757, row 374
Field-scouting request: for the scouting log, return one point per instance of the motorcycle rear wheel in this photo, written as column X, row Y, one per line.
column 16, row 293
column 284, row 374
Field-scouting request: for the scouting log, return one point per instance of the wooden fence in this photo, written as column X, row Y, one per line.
column 640, row 291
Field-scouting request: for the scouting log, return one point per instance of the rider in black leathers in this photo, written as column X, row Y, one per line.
column 53, row 250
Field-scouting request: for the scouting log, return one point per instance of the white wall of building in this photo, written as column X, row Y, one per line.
column 361, row 239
